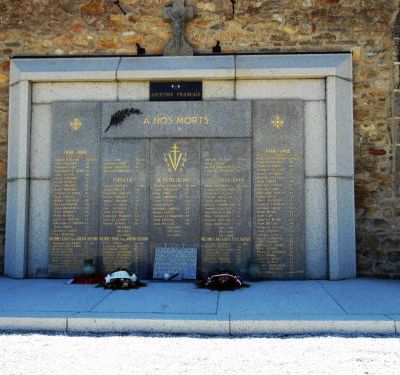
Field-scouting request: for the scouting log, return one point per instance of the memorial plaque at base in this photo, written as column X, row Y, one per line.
column 175, row 263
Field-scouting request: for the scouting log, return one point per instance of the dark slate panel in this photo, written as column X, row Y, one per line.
column 174, row 193
column 176, row 119
column 278, row 188
column 74, row 186
column 124, row 208
column 225, row 204
column 176, row 90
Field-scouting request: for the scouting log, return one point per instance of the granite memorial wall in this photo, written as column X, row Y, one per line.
column 225, row 177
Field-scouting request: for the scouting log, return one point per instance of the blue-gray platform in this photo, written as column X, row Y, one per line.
column 359, row 306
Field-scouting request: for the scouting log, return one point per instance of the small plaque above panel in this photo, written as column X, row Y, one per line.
column 223, row 119
column 176, row 91
column 175, row 263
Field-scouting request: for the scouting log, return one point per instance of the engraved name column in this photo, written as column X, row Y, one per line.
column 278, row 183
column 74, row 206
column 226, row 204
column 174, row 193
column 124, row 205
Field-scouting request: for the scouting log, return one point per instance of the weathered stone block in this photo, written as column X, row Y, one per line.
column 316, row 228
column 218, row 90
column 289, row 66
column 15, row 262
column 44, row 93
column 70, row 69
column 150, row 323
column 340, row 127
column 39, row 229
column 40, row 161
column 134, row 90
column 315, row 139
column 19, row 130
column 310, row 89
column 341, row 218
column 190, row 67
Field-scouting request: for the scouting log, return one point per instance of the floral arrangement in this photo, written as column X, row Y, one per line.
column 223, row 279
column 121, row 279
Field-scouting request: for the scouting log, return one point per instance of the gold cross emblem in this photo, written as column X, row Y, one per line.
column 277, row 122
column 175, row 158
column 76, row 124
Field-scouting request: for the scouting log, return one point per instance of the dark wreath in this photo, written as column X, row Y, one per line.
column 223, row 279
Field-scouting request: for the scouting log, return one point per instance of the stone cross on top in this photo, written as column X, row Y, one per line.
column 177, row 12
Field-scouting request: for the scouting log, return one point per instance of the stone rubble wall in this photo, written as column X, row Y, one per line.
column 368, row 28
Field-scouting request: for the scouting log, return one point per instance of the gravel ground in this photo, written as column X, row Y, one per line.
column 32, row 354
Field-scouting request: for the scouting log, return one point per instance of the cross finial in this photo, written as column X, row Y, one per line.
column 177, row 12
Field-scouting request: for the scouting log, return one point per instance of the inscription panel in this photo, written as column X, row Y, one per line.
column 124, row 208
column 74, row 193
column 278, row 188
column 174, row 193
column 177, row 119
column 179, row 262
column 215, row 189
column 225, row 204
column 176, row 90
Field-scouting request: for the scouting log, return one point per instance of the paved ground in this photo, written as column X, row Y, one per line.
column 44, row 355
column 351, row 306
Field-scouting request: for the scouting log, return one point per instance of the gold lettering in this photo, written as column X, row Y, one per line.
column 181, row 120
column 123, row 179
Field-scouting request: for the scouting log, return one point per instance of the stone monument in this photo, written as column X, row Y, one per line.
column 177, row 13
column 259, row 173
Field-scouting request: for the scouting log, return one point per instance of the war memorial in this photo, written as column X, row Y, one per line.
column 187, row 143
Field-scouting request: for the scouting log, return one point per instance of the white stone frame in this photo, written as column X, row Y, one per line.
column 330, row 218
